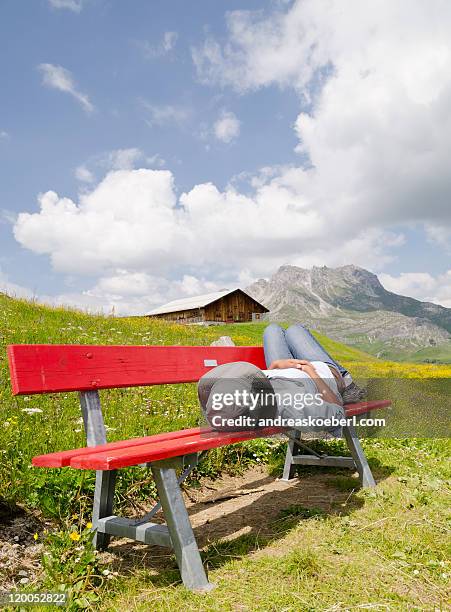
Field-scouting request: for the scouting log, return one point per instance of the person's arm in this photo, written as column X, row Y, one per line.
column 302, row 364
column 282, row 364
column 326, row 393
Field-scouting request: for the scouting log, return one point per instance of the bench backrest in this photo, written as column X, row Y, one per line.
column 50, row 368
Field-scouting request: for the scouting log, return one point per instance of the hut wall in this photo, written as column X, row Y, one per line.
column 236, row 307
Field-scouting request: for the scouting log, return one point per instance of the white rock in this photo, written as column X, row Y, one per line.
column 223, row 341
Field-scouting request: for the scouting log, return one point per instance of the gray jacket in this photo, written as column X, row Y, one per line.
column 235, row 391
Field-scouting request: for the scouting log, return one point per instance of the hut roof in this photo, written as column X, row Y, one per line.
column 197, row 301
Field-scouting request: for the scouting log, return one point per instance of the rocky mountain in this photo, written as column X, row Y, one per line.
column 351, row 305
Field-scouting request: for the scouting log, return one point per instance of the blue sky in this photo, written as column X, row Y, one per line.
column 208, row 92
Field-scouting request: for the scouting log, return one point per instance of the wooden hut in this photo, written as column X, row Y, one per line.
column 228, row 306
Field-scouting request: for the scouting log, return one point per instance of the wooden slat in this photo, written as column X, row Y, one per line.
column 45, row 368
column 156, row 451
column 362, row 407
column 63, row 458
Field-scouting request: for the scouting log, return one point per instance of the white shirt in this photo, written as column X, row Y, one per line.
column 322, row 368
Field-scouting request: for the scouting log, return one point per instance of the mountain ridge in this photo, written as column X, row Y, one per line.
column 351, row 305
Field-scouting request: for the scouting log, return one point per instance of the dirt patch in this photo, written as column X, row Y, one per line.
column 234, row 506
column 257, row 511
column 221, row 510
column 19, row 552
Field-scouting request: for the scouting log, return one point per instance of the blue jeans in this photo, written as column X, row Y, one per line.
column 295, row 343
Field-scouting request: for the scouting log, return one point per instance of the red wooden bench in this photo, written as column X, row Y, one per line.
column 88, row 369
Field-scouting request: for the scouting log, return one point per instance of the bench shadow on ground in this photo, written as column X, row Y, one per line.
column 264, row 510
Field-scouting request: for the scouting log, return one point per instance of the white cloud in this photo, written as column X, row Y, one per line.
column 376, row 81
column 123, row 292
column 227, row 127
column 166, row 114
column 421, row 285
column 132, row 293
column 133, row 220
column 166, row 45
column 59, row 78
column 72, row 5
column 169, row 40
column 117, row 159
column 127, row 219
column 439, row 234
column 124, row 159
column 83, row 174
column 7, row 217
column 156, row 161
column 125, row 283
column 12, row 289
column 4, row 135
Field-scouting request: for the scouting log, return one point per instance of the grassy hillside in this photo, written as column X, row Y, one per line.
column 38, row 424
column 440, row 354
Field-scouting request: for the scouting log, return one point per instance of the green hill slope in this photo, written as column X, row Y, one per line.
column 433, row 354
column 22, row 321
column 38, row 424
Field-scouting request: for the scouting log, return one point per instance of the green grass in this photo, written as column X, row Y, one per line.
column 432, row 354
column 384, row 548
column 440, row 354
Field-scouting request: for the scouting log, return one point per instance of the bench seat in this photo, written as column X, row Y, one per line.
column 63, row 458
column 126, row 453
column 204, row 439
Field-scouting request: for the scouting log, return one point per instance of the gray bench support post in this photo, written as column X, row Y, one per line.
column 353, row 442
column 180, row 530
column 358, row 460
column 289, row 469
column 105, row 480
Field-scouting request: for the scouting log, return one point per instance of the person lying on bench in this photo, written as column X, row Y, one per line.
column 302, row 382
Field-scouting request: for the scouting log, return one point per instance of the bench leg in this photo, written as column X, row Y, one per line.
column 105, row 481
column 180, row 530
column 289, row 469
column 353, row 442
column 103, row 504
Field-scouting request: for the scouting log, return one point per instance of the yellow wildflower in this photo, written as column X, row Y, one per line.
column 89, row 525
column 74, row 536
column 35, row 537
